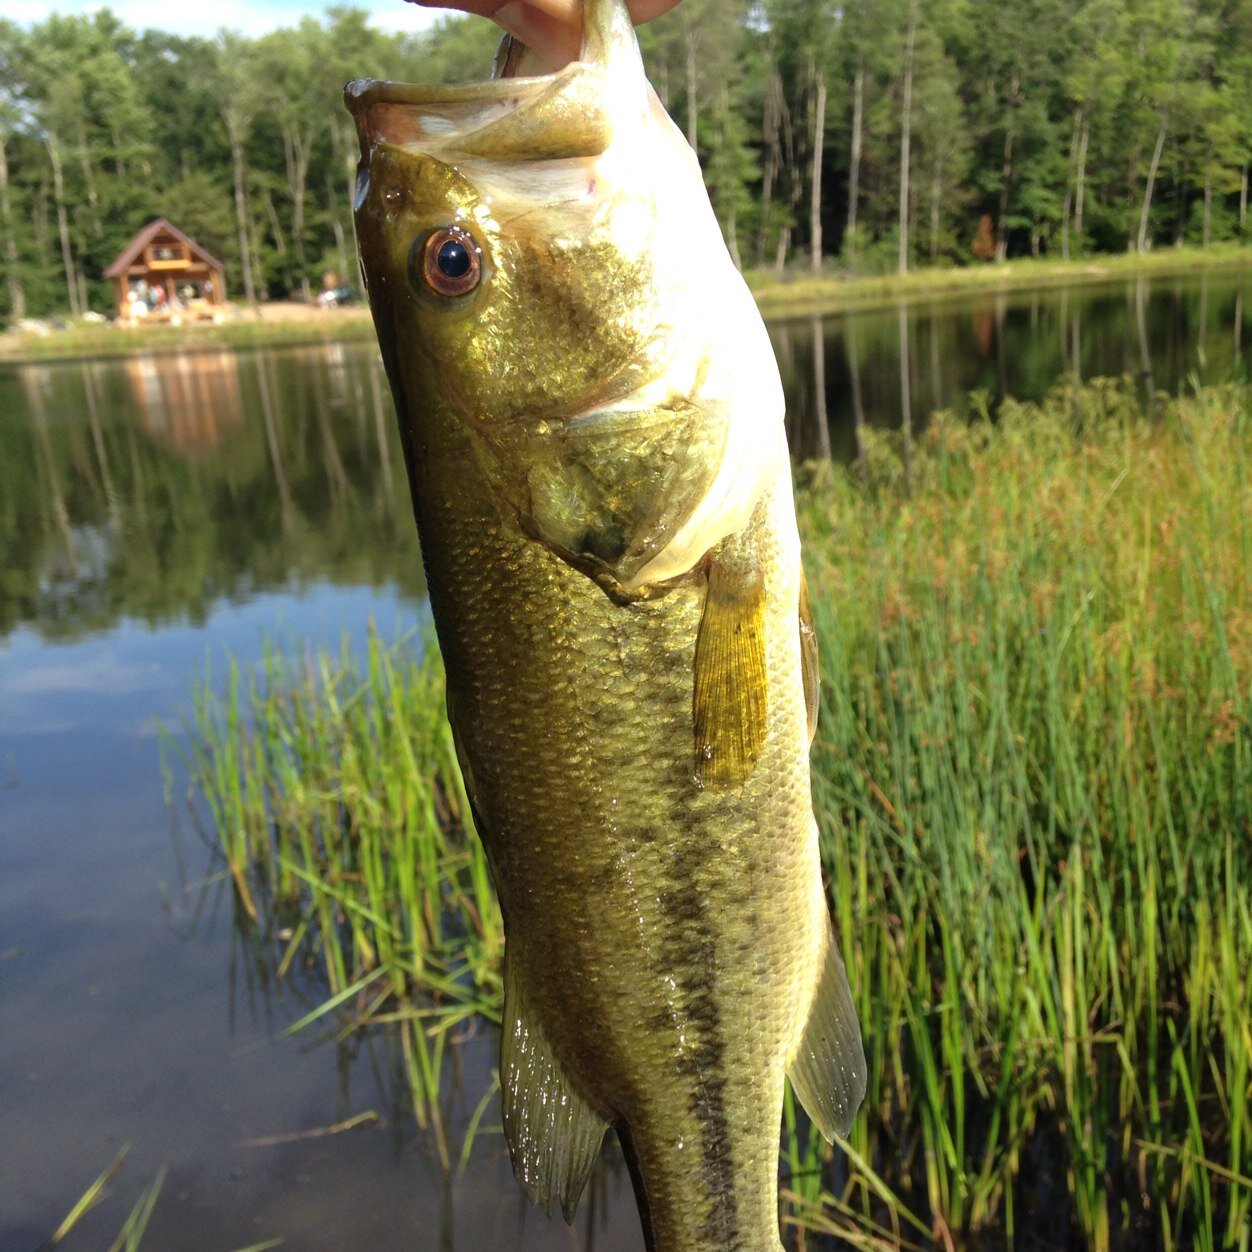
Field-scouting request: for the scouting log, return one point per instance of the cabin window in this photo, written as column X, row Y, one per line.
column 167, row 254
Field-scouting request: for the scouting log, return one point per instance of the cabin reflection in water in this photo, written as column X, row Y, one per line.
column 188, row 401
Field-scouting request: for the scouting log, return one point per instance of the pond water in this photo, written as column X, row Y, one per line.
column 160, row 514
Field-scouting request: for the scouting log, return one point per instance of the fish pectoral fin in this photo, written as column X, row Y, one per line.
column 730, row 689
column 809, row 667
column 828, row 1072
column 553, row 1133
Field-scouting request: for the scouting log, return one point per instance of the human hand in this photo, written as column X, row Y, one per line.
column 552, row 28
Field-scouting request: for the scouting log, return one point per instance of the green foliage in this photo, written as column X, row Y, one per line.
column 156, row 505
column 1098, row 122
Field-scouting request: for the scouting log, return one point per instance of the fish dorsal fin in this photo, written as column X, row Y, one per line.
column 729, row 699
column 828, row 1072
column 553, row 1133
column 809, row 667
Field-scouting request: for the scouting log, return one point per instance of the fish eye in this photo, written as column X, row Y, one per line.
column 451, row 262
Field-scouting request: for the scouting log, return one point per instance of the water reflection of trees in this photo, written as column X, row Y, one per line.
column 892, row 368
column 154, row 487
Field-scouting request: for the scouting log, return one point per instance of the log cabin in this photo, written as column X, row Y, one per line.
column 165, row 274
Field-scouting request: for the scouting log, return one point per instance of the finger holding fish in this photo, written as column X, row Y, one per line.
column 551, row 27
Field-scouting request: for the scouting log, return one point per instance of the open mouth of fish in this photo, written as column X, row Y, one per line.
column 640, row 467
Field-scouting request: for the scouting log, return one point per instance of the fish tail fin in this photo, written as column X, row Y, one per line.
column 553, row 1133
column 828, row 1072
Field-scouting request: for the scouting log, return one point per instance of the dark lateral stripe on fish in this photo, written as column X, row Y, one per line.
column 691, row 950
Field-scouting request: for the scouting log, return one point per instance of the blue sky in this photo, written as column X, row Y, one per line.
column 252, row 17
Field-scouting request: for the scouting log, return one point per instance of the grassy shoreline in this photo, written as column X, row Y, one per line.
column 88, row 341
column 793, row 295
column 1033, row 778
column 800, row 293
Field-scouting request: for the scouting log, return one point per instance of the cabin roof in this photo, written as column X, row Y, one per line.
column 160, row 226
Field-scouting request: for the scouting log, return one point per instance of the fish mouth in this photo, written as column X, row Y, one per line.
column 572, row 112
column 515, row 119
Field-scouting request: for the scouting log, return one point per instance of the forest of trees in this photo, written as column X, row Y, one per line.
column 887, row 133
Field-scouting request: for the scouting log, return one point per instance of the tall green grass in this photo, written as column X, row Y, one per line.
column 1033, row 775
column 343, row 822
column 132, row 1232
column 1034, row 780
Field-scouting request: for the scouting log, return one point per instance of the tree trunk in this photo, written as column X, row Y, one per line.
column 1180, row 205
column 297, row 151
column 343, row 142
column 936, row 191
column 1069, row 185
column 1243, row 199
column 815, row 191
column 661, row 83
column 53, row 145
column 258, row 272
column 235, row 131
column 906, row 139
column 692, row 48
column 790, row 163
column 276, row 226
column 1142, row 241
column 297, row 229
column 1208, row 202
column 854, row 164
column 12, row 277
column 1006, row 173
column 119, row 166
column 1081, row 189
column 341, row 242
column 771, row 123
column 93, row 195
column 780, row 253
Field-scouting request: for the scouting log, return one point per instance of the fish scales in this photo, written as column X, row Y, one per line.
column 609, row 861
column 602, row 493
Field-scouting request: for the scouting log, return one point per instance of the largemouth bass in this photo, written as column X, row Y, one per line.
column 593, row 424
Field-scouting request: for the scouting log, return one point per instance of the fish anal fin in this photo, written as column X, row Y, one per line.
column 729, row 701
column 809, row 667
column 828, row 1072
column 553, row 1134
